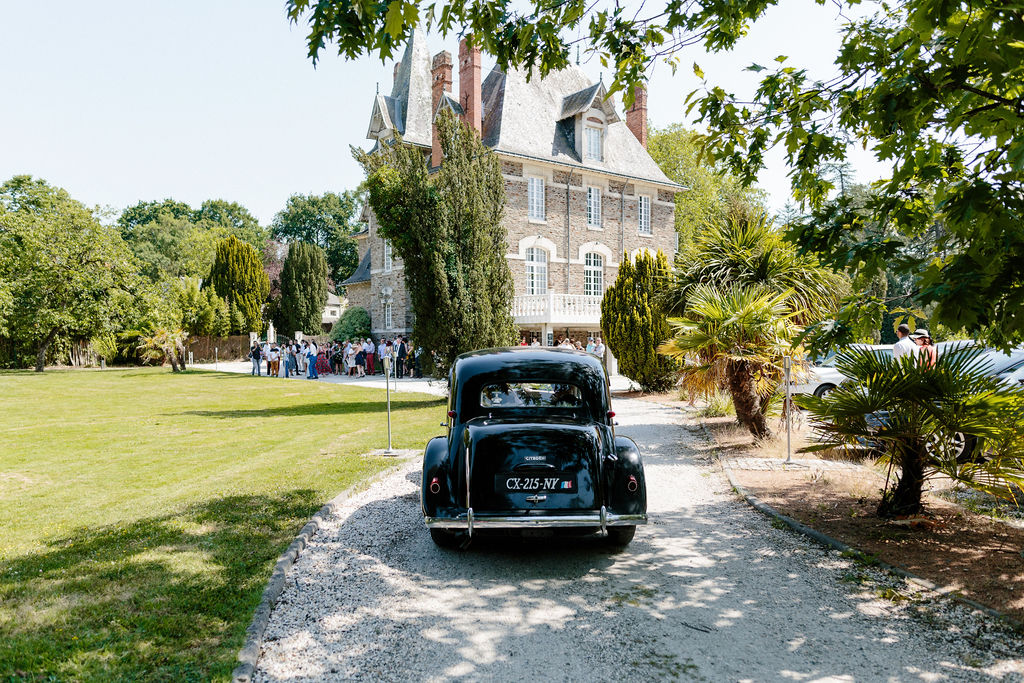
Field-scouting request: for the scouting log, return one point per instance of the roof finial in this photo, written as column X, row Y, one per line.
column 378, row 87
column 577, row 54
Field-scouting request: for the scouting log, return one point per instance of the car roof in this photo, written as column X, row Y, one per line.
column 527, row 362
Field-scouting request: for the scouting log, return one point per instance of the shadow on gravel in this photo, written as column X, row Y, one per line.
column 706, row 591
column 695, row 596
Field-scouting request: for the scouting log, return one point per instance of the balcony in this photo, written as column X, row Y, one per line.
column 558, row 309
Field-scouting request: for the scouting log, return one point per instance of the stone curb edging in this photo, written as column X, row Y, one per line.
column 249, row 655
column 814, row 534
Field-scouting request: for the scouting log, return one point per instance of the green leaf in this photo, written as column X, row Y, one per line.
column 698, row 71
column 394, row 20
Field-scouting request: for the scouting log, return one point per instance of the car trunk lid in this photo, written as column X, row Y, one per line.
column 529, row 465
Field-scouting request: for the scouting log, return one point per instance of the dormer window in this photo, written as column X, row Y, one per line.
column 592, row 143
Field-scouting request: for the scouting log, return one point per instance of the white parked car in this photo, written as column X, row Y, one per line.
column 823, row 376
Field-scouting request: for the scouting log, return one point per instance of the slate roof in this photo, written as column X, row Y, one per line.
column 362, row 273
column 407, row 109
column 533, row 120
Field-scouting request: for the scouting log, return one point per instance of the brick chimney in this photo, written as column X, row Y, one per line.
column 636, row 117
column 440, row 83
column 469, row 83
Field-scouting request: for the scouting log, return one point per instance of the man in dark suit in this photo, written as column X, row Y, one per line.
column 401, row 353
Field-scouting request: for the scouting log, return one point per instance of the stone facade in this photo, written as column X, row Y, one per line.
column 560, row 235
column 540, row 129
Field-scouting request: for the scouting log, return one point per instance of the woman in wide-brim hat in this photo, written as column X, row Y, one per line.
column 926, row 350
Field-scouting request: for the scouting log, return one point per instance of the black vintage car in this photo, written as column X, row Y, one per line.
column 531, row 445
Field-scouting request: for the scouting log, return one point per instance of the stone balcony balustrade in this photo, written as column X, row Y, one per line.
column 560, row 309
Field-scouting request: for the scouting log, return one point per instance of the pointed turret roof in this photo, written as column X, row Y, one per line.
column 407, row 109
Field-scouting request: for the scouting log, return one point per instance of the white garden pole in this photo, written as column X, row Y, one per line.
column 787, row 364
column 387, row 392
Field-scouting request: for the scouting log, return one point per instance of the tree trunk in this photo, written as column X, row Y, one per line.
column 44, row 346
column 905, row 499
column 746, row 400
column 181, row 356
column 171, row 356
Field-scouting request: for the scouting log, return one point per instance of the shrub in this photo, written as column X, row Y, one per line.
column 354, row 323
column 634, row 324
column 719, row 404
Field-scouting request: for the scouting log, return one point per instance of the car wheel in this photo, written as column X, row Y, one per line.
column 443, row 538
column 824, row 390
column 961, row 446
column 620, row 536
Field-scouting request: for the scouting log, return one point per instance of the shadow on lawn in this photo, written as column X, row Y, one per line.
column 163, row 598
column 323, row 408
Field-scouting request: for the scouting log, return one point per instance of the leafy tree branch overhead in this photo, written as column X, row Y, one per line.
column 934, row 89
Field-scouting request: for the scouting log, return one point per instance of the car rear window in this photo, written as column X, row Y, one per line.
column 531, row 395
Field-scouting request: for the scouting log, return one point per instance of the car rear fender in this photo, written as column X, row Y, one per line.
column 435, row 459
column 621, row 472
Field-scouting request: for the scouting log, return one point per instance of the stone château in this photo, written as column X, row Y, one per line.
column 582, row 191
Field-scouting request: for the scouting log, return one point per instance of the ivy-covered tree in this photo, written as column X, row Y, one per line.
column 61, row 265
column 238, row 277
column 303, row 288
column 446, row 227
column 328, row 221
column 634, row 324
column 934, row 89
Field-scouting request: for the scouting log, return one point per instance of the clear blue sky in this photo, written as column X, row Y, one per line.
column 124, row 101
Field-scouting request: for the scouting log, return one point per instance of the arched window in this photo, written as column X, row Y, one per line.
column 387, row 316
column 593, row 274
column 536, row 271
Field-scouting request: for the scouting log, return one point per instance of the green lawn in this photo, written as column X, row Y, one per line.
column 141, row 512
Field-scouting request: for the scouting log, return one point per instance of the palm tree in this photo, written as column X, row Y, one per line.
column 164, row 344
column 918, row 417
column 740, row 335
column 746, row 249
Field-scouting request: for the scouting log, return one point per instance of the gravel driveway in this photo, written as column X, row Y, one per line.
column 708, row 591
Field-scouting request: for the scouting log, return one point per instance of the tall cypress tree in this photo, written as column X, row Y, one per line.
column 238, row 277
column 634, row 324
column 447, row 229
column 303, row 288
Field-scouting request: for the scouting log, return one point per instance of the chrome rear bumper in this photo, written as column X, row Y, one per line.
column 597, row 518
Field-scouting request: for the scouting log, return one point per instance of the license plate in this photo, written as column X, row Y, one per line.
column 550, row 483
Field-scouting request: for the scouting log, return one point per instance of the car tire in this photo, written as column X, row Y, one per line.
column 968, row 454
column 620, row 536
column 443, row 538
column 823, row 390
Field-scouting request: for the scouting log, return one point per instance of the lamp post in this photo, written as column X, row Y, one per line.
column 787, row 364
column 387, row 392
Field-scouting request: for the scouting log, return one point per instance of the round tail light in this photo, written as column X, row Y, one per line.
column 632, row 484
column 435, row 486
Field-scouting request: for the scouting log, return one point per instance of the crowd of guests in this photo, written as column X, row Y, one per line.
column 351, row 357
column 593, row 346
